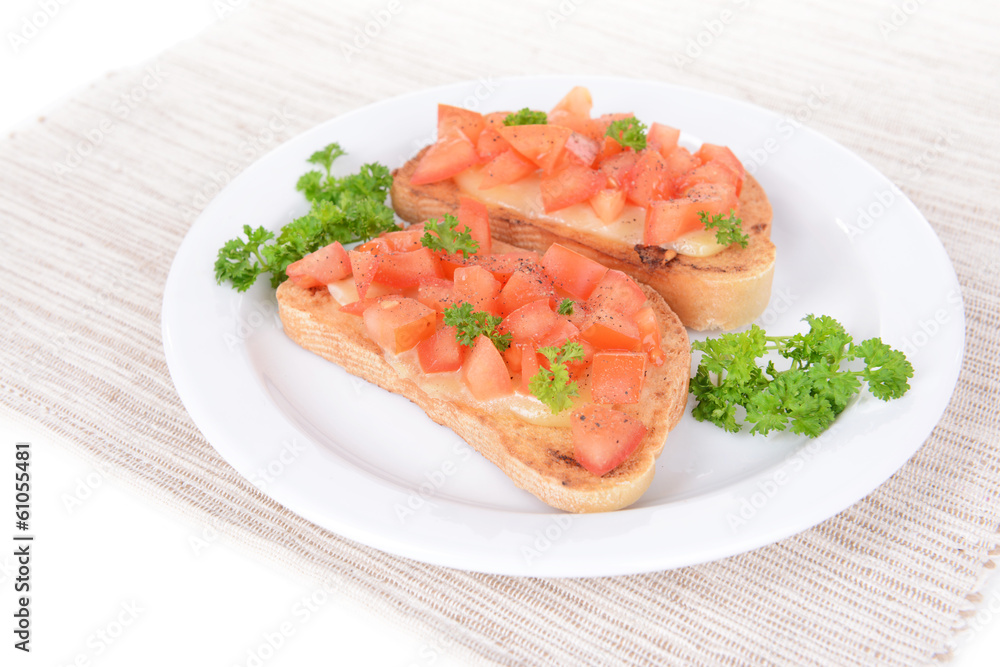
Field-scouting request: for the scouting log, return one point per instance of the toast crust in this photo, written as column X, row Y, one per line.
column 724, row 291
column 538, row 459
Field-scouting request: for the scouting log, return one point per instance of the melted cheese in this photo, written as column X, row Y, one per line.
column 526, row 196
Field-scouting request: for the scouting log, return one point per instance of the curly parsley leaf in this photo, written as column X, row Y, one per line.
column 806, row 397
column 728, row 228
column 442, row 236
column 526, row 117
column 629, row 132
column 565, row 307
column 552, row 385
column 347, row 209
column 470, row 325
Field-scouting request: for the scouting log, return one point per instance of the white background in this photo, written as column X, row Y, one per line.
column 116, row 579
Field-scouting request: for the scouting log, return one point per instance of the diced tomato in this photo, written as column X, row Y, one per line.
column 617, row 293
column 524, row 286
column 357, row 307
column 575, row 274
column 484, row 371
column 604, row 437
column 404, row 240
column 507, row 167
column 610, row 148
column 680, row 161
column 542, row 144
column 375, row 246
column 668, row 220
column 713, row 198
column 453, row 152
column 477, row 286
column 512, row 357
column 407, row 269
column 436, row 293
column 581, row 149
column 617, row 377
column 451, row 118
column 504, row 265
column 649, row 334
column 364, row 266
column 608, row 204
column 441, row 352
column 649, row 178
column 573, row 184
column 662, row 138
column 529, row 365
column 321, row 267
column 530, row 322
column 598, row 127
column 619, row 169
column 398, row 323
column 711, row 172
column 721, row 154
column 472, row 215
column 611, row 331
column 573, row 111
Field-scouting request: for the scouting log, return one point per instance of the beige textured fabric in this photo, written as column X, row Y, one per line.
column 95, row 200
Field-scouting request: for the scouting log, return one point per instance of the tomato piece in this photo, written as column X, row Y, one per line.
column 619, row 169
column 604, row 437
column 375, row 246
column 572, row 184
column 473, row 215
column 450, row 118
column 722, row 155
column 477, row 286
column 320, row 268
column 436, row 293
column 680, row 161
column 617, row 377
column 484, row 371
column 581, row 149
column 524, row 286
column 668, row 220
column 404, row 240
column 598, row 127
column 441, row 352
column 713, row 198
column 542, row 144
column 617, row 293
column 507, row 167
column 407, row 269
column 364, row 266
column 649, row 335
column 452, row 153
column 530, row 322
column 662, row 138
column 397, row 323
column 529, row 365
column 608, row 204
column 611, row 331
column 573, row 111
column 649, row 179
column 357, row 307
column 504, row 265
column 714, row 173
column 572, row 272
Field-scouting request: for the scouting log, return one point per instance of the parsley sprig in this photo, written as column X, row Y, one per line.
column 552, row 385
column 728, row 229
column 526, row 117
column 442, row 236
column 629, row 132
column 470, row 325
column 565, row 307
column 347, row 209
column 806, row 397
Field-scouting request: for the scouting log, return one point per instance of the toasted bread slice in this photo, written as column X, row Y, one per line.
column 724, row 291
column 538, row 459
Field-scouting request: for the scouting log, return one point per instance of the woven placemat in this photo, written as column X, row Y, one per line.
column 97, row 197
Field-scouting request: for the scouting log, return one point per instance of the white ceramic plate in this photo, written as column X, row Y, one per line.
column 371, row 466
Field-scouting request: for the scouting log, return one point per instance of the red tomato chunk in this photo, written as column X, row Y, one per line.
column 320, row 268
column 398, row 323
column 617, row 377
column 604, row 437
column 485, row 373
